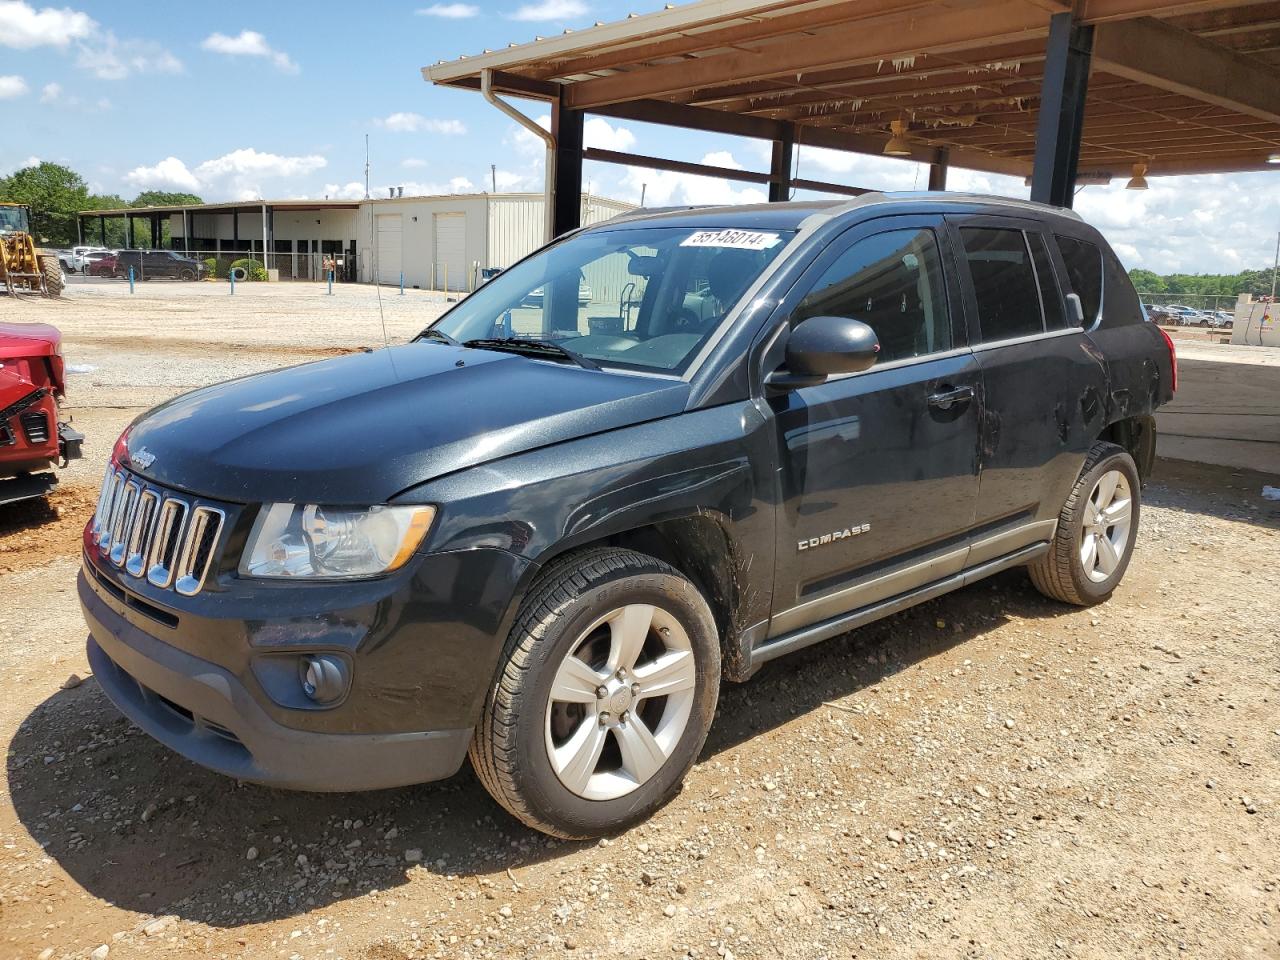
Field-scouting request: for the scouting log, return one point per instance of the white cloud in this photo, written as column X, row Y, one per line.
column 664, row 188
column 550, row 10
column 107, row 57
column 599, row 133
column 250, row 162
column 236, row 175
column 12, row 86
column 449, row 11
column 23, row 27
column 169, row 174
column 50, row 92
column 417, row 123
column 412, row 163
column 249, row 43
column 352, row 190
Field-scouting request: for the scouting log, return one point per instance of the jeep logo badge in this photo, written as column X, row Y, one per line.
column 142, row 457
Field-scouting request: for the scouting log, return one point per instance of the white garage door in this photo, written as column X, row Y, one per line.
column 390, row 231
column 451, row 251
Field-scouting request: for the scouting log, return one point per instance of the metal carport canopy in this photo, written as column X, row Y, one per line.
column 1180, row 86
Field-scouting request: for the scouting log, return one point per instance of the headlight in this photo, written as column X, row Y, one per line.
column 315, row 542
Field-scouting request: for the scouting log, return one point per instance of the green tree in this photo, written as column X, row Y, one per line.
column 162, row 198
column 115, row 228
column 55, row 193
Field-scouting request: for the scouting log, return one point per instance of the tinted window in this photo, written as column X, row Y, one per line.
column 1084, row 273
column 1121, row 304
column 1055, row 316
column 1004, row 283
column 893, row 282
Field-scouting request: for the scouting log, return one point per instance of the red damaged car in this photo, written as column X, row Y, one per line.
column 32, row 438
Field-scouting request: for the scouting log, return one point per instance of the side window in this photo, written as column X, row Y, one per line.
column 893, row 282
column 1121, row 305
column 1055, row 314
column 1004, row 282
column 1084, row 272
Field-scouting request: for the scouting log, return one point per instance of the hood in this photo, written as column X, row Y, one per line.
column 361, row 428
column 28, row 340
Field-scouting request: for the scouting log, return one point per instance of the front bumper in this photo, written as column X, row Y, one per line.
column 205, row 713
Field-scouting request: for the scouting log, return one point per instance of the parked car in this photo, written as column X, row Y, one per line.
column 77, row 258
column 547, row 553
column 1183, row 315
column 104, row 265
column 33, row 439
column 1222, row 318
column 158, row 264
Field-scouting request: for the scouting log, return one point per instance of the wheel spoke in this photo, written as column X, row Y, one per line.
column 1107, row 488
column 1089, row 552
column 1108, row 559
column 627, row 634
column 576, row 759
column 1117, row 512
column 672, row 672
column 575, row 682
column 641, row 754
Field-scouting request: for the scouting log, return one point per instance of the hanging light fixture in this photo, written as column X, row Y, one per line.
column 1139, row 179
column 1274, row 158
column 898, row 146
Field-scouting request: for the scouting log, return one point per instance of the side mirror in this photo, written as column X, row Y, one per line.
column 822, row 347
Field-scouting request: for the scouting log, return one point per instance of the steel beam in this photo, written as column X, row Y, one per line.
column 938, row 171
column 566, row 129
column 780, row 168
column 1061, row 119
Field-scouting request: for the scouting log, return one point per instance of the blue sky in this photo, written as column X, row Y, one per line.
column 273, row 100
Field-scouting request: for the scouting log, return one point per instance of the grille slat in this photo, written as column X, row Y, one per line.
column 155, row 534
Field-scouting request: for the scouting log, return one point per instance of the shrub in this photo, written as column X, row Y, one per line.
column 254, row 270
column 211, row 266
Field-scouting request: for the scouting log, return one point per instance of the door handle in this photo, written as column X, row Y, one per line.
column 950, row 396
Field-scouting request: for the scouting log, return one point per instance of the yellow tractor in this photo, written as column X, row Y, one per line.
column 22, row 266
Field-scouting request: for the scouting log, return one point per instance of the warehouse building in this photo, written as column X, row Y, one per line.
column 437, row 242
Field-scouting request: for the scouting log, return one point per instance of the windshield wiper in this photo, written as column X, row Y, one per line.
column 431, row 333
column 533, row 348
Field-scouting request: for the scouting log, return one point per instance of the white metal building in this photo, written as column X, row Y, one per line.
column 439, row 242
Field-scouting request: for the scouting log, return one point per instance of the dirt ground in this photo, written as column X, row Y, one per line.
column 988, row 775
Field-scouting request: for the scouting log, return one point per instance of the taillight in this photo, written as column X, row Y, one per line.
column 1173, row 358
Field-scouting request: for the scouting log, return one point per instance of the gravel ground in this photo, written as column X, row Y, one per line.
column 988, row 775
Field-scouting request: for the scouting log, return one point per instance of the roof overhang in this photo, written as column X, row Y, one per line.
column 1183, row 86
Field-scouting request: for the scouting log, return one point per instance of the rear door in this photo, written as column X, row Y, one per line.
column 878, row 471
column 1043, row 382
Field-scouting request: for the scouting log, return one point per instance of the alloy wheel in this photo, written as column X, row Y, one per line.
column 1107, row 523
column 620, row 701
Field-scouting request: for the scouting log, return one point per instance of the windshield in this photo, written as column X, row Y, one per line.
column 13, row 220
column 640, row 298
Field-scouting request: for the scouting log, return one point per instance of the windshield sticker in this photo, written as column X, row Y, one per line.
column 732, row 239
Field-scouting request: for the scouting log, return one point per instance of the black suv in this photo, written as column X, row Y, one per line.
column 155, row 264
column 544, row 531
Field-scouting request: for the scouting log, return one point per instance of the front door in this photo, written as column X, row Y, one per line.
column 878, row 471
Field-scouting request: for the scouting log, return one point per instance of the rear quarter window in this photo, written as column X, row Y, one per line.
column 1120, row 303
column 1084, row 274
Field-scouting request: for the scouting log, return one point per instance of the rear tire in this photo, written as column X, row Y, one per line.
column 1096, row 531
column 187, row 275
column 52, row 271
column 573, row 741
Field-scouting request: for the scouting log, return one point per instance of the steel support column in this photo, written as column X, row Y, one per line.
column 102, row 230
column 80, row 231
column 938, row 171
column 566, row 128
column 1061, row 117
column 780, row 168
column 128, row 231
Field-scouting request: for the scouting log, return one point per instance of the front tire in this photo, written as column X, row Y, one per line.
column 604, row 697
column 1096, row 531
column 53, row 278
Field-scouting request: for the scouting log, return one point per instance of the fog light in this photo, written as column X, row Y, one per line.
column 324, row 678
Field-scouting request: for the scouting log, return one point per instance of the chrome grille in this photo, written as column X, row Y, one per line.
column 153, row 533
